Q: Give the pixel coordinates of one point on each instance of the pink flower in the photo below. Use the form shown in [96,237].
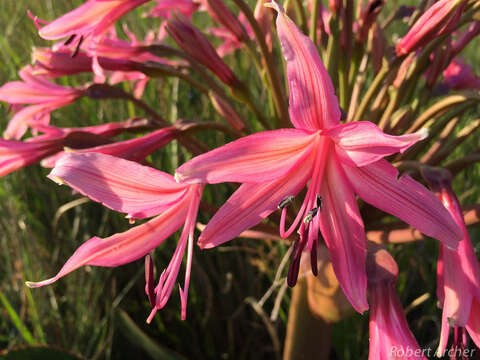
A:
[164,8]
[459,76]
[458,271]
[134,149]
[222,14]
[18,154]
[336,161]
[141,192]
[232,42]
[93,18]
[43,94]
[55,63]
[195,44]
[439,19]
[390,337]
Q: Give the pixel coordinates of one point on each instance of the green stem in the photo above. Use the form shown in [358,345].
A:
[273,77]
[372,90]
[314,21]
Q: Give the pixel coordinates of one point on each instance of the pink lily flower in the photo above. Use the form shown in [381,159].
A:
[55,63]
[134,149]
[336,161]
[458,271]
[106,48]
[18,154]
[459,76]
[91,19]
[390,337]
[194,43]
[232,43]
[164,8]
[222,15]
[43,94]
[439,19]
[141,192]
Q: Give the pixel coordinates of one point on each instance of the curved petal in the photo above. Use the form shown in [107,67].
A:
[257,158]
[250,204]
[473,324]
[87,17]
[121,185]
[313,104]
[342,228]
[379,185]
[124,247]
[361,143]
[30,115]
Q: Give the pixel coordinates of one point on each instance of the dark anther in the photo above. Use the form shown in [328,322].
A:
[310,215]
[69,40]
[77,49]
[285,202]
[313,258]
[319,202]
[343,115]
[295,258]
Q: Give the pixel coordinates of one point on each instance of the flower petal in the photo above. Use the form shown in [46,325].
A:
[313,104]
[379,185]
[124,247]
[473,324]
[342,228]
[260,157]
[119,184]
[250,204]
[362,143]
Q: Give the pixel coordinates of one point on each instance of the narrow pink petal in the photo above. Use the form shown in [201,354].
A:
[124,247]
[390,337]
[136,149]
[252,203]
[19,123]
[457,290]
[16,154]
[260,157]
[88,16]
[342,228]
[362,143]
[473,324]
[379,185]
[121,185]
[18,92]
[313,104]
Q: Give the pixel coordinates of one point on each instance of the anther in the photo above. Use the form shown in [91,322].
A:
[319,202]
[310,215]
[286,201]
[77,49]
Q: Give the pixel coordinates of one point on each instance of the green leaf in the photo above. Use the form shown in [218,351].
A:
[38,352]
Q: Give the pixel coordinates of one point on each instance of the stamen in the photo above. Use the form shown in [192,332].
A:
[286,202]
[69,40]
[77,49]
[310,215]
[319,202]
[149,281]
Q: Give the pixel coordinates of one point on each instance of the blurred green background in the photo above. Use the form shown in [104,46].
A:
[99,313]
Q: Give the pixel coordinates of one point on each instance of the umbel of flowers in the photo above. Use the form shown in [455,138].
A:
[357,108]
